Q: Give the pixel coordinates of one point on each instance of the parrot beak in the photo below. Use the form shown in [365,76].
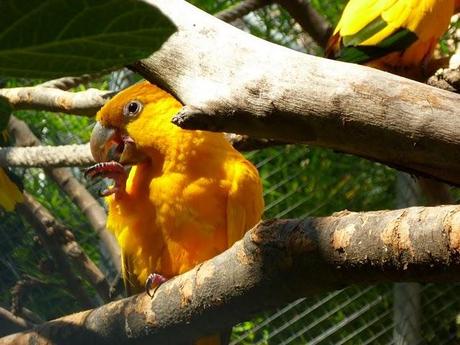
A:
[109,144]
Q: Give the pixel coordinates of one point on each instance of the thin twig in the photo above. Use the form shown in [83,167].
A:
[10,323]
[66,83]
[241,9]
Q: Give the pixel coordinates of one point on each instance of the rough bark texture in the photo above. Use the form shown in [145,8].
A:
[295,97]
[276,262]
[46,156]
[48,98]
[74,189]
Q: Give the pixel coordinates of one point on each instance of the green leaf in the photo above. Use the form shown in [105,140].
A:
[53,38]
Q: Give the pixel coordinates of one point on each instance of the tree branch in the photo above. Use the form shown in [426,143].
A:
[46,156]
[10,323]
[47,98]
[64,245]
[241,9]
[295,97]
[77,192]
[309,19]
[66,83]
[57,243]
[276,262]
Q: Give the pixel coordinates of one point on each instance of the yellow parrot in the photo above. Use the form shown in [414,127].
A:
[397,36]
[188,197]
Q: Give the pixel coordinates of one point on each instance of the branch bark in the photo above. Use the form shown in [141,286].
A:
[309,19]
[77,192]
[10,323]
[48,98]
[46,156]
[295,97]
[276,262]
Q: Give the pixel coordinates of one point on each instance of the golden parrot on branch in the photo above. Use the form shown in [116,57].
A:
[188,197]
[397,36]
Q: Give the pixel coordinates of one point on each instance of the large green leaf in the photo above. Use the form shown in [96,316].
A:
[52,38]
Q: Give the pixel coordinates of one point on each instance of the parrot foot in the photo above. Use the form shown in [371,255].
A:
[112,170]
[153,281]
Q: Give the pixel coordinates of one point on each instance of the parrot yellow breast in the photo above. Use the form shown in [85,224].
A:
[191,200]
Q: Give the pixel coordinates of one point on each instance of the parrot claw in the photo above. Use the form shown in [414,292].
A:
[112,170]
[153,281]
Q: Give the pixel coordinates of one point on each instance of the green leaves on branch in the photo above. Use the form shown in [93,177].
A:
[53,38]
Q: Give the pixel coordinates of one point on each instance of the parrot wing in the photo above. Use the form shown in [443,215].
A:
[371,29]
[245,203]
[10,184]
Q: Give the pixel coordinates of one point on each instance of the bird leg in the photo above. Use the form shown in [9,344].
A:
[112,170]
[153,281]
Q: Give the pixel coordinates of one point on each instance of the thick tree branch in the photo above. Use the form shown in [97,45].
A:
[276,262]
[77,192]
[309,19]
[295,97]
[47,98]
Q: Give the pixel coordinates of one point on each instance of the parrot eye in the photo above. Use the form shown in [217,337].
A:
[132,109]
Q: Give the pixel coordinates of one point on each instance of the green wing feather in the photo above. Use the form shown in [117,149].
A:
[351,51]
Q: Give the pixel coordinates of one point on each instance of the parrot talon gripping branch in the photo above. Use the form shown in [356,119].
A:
[153,281]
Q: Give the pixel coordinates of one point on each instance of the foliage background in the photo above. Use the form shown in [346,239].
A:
[299,181]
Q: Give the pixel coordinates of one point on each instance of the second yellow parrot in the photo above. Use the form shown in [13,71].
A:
[189,196]
[398,36]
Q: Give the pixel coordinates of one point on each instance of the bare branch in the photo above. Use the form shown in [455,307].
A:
[77,192]
[276,262]
[85,103]
[46,156]
[10,323]
[21,288]
[447,79]
[67,83]
[61,244]
[63,240]
[309,19]
[241,9]
[294,97]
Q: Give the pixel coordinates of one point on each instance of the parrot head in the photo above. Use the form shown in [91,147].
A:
[131,128]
